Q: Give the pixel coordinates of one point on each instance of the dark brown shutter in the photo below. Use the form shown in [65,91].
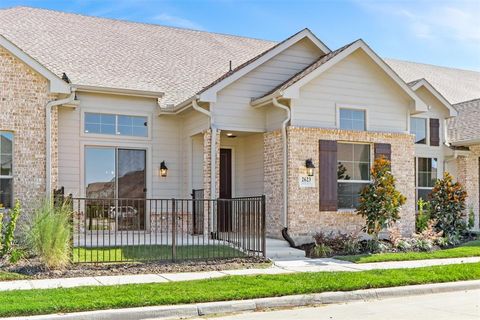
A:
[434,132]
[383,149]
[328,175]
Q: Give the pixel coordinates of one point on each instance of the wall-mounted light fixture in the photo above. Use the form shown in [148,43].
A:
[163,169]
[310,167]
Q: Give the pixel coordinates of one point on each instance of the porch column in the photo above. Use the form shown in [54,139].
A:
[207,178]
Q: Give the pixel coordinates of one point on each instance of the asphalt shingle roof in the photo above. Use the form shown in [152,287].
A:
[180,62]
[466,125]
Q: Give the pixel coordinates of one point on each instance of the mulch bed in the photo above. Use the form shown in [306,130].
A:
[34,269]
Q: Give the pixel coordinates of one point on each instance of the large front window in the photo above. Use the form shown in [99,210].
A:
[426,175]
[353,173]
[6,169]
[116,124]
[418,127]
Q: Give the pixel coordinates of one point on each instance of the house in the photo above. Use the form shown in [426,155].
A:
[97,106]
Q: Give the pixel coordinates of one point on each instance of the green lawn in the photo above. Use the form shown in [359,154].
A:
[468,249]
[7,276]
[153,252]
[23,303]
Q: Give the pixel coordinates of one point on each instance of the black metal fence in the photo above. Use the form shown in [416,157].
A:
[123,230]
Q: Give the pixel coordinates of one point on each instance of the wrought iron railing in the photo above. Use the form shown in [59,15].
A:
[123,230]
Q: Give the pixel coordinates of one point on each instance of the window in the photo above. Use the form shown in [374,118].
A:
[6,169]
[113,124]
[418,127]
[426,175]
[351,119]
[353,173]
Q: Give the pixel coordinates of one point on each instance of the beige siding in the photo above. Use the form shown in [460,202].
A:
[358,82]
[437,111]
[232,109]
[162,143]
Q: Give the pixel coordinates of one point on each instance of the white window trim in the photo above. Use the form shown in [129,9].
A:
[115,136]
[10,177]
[427,131]
[416,175]
[339,106]
[355,181]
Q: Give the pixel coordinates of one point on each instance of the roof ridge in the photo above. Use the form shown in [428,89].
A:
[137,22]
[431,65]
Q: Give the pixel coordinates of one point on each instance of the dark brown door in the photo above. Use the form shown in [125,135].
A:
[224,219]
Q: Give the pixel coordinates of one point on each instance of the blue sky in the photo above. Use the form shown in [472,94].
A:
[431,31]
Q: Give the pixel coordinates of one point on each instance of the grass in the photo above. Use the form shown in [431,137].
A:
[468,249]
[7,276]
[153,252]
[23,303]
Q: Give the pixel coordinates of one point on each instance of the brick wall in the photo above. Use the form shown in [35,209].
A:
[468,175]
[304,217]
[207,147]
[23,96]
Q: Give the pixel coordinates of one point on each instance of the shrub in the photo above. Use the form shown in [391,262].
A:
[403,245]
[10,227]
[49,234]
[321,251]
[448,206]
[394,235]
[340,243]
[380,202]
[423,215]
[422,244]
[471,218]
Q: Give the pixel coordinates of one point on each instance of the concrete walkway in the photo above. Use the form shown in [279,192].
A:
[279,267]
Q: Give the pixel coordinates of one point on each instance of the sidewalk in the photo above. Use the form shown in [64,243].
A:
[279,267]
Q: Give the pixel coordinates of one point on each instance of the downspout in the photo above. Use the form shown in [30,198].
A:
[48,138]
[285,159]
[213,154]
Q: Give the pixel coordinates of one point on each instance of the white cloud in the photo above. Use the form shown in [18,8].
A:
[177,21]
[449,20]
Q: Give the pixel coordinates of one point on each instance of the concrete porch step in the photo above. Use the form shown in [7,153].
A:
[280,249]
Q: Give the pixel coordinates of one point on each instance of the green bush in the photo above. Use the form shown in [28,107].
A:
[49,234]
[9,234]
[448,207]
[321,251]
[423,215]
[471,218]
[380,202]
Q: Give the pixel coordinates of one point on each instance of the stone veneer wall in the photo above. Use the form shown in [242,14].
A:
[304,217]
[23,96]
[468,175]
[273,182]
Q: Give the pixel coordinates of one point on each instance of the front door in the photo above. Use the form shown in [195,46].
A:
[224,218]
[117,178]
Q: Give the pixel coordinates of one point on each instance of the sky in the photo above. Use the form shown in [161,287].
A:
[441,32]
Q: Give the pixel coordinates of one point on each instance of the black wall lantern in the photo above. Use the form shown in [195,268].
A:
[310,167]
[163,169]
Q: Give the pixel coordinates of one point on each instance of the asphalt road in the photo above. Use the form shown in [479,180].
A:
[460,305]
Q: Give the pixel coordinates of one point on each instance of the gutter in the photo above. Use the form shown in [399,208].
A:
[48,138]
[213,154]
[285,159]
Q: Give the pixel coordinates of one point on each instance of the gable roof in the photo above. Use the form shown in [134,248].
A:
[456,85]
[290,88]
[417,84]
[463,130]
[56,84]
[100,52]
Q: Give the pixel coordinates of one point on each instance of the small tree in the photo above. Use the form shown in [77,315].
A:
[380,202]
[448,206]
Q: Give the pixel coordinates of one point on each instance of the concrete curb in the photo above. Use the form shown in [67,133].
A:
[209,308]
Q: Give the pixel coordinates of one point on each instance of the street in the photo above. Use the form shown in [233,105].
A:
[459,305]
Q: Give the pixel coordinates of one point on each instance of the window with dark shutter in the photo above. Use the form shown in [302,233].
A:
[328,175]
[434,132]
[383,149]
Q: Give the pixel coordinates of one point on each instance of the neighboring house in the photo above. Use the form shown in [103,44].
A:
[96,105]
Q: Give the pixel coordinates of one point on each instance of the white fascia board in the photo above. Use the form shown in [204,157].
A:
[210,95]
[119,91]
[436,94]
[57,85]
[294,90]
